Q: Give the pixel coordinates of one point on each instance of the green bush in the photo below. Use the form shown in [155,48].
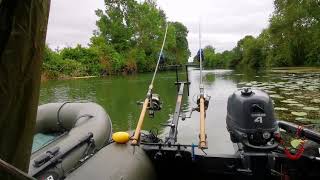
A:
[128,40]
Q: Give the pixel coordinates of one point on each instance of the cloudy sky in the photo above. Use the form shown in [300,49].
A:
[223,22]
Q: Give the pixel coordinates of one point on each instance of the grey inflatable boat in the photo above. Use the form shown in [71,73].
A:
[82,128]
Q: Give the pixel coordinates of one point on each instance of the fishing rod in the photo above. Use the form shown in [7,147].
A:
[202,101]
[148,101]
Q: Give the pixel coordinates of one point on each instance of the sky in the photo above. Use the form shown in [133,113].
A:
[223,22]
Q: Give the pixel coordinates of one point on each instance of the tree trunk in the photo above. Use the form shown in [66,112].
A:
[23,27]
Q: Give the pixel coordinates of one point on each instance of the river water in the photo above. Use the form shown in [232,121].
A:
[296,98]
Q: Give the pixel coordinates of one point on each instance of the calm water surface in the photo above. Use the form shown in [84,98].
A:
[296,98]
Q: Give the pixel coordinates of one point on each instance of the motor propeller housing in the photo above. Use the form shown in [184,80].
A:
[250,119]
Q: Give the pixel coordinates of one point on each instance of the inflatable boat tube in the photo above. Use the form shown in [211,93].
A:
[116,161]
[84,128]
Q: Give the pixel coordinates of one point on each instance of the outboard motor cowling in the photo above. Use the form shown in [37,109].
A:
[250,119]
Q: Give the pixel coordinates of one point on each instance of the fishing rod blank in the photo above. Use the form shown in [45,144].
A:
[200,61]
[148,99]
[202,136]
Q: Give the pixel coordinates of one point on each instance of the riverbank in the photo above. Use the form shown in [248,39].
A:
[45,76]
[295,70]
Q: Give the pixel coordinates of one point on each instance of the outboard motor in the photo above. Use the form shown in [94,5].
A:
[250,119]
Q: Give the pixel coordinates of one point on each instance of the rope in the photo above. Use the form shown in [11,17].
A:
[89,116]
[59,122]
[300,149]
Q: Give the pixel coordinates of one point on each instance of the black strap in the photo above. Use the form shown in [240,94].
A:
[59,122]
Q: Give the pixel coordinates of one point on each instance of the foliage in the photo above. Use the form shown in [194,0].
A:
[128,40]
[292,39]
[77,61]
[213,59]
[294,32]
[135,31]
[130,34]
[87,57]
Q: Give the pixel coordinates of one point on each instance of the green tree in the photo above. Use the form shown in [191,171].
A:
[87,57]
[182,51]
[251,50]
[294,30]
[128,40]
[135,31]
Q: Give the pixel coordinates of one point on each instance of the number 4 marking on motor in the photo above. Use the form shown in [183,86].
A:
[258,120]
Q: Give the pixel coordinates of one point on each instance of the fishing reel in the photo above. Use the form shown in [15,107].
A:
[154,104]
[206,103]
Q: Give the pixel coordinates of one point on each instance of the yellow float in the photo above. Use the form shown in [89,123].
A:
[121,137]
